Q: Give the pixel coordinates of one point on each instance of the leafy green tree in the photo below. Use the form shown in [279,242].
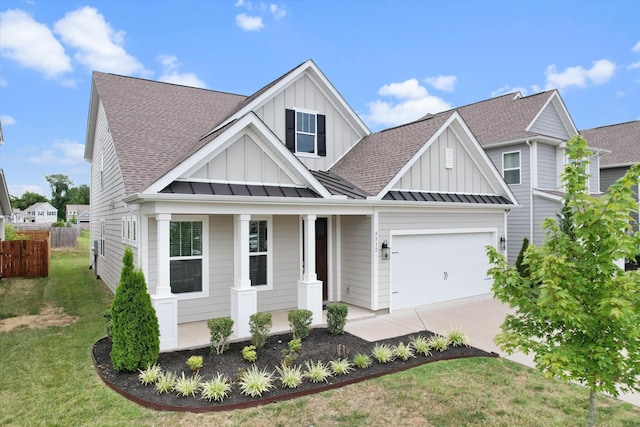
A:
[60,185]
[582,321]
[80,195]
[135,329]
[28,198]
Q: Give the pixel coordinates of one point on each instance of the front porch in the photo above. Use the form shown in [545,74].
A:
[196,334]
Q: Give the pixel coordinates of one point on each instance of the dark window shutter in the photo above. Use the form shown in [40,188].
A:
[290,124]
[322,138]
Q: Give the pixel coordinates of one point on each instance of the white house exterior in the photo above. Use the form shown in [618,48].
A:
[285,199]
[81,214]
[42,213]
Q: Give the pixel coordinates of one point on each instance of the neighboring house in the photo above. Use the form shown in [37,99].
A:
[42,212]
[284,199]
[622,141]
[525,138]
[17,216]
[81,214]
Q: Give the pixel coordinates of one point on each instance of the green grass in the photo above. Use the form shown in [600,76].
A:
[47,378]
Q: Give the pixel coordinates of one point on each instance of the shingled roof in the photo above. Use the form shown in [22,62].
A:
[154,124]
[622,140]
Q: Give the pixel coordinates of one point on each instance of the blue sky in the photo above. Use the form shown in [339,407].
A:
[393,61]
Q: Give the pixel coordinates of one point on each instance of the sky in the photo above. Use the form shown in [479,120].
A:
[392,61]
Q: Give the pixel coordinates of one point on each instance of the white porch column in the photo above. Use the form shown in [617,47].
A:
[244,299]
[310,288]
[164,302]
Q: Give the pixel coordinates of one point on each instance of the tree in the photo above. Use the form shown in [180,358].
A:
[80,195]
[60,185]
[136,333]
[28,198]
[582,319]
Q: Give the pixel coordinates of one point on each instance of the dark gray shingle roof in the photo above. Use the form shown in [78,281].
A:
[622,139]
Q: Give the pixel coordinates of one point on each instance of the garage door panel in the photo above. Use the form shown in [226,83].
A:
[429,268]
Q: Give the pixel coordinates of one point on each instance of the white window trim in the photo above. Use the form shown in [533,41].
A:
[269,253]
[519,168]
[315,136]
[205,256]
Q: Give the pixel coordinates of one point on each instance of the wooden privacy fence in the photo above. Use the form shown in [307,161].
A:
[25,258]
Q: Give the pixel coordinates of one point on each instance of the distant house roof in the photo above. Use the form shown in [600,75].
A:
[622,140]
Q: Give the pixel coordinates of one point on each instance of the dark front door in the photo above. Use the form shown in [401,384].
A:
[321,255]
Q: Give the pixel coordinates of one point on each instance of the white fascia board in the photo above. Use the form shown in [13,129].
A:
[540,138]
[94,102]
[252,125]
[312,68]
[548,196]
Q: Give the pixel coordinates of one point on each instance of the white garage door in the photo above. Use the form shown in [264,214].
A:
[430,268]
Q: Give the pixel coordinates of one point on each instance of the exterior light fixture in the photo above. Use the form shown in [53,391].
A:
[385,250]
[503,243]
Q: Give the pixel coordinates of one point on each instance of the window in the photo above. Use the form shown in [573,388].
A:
[185,252]
[305,133]
[259,253]
[511,167]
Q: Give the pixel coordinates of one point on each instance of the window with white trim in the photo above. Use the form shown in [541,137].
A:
[186,256]
[306,132]
[511,167]
[259,252]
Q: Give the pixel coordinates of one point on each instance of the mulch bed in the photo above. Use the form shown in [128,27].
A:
[320,345]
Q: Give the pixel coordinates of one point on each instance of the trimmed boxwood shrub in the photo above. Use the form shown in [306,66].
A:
[220,329]
[337,317]
[136,333]
[300,322]
[260,326]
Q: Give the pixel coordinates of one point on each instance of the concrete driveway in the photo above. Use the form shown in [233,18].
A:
[480,317]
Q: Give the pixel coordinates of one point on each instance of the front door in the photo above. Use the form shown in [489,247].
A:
[321,255]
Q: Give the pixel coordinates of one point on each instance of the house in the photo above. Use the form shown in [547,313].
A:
[284,199]
[80,214]
[622,141]
[42,212]
[17,216]
[525,138]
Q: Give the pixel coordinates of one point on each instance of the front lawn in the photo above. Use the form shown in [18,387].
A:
[47,378]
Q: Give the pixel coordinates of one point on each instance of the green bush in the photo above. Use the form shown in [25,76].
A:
[195,363]
[260,326]
[136,334]
[249,353]
[523,269]
[337,318]
[108,328]
[300,322]
[221,329]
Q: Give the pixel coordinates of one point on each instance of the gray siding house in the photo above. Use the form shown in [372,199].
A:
[284,199]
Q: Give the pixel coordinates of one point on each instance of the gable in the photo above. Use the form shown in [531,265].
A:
[445,166]
[549,123]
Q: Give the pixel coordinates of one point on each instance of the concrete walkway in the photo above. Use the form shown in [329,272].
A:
[480,317]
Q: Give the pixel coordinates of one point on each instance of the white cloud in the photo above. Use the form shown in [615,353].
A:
[600,72]
[249,23]
[98,46]
[170,73]
[508,89]
[636,48]
[32,44]
[277,11]
[3,82]
[19,190]
[413,102]
[7,120]
[444,83]
[634,65]
[64,153]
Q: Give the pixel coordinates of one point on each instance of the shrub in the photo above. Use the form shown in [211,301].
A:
[149,375]
[290,356]
[195,363]
[523,269]
[362,360]
[341,366]
[216,389]
[260,326]
[337,318]
[438,342]
[108,327]
[317,372]
[290,377]
[457,337]
[383,353]
[165,382]
[403,352]
[300,322]
[221,329]
[136,334]
[187,386]
[249,353]
[421,345]
[254,382]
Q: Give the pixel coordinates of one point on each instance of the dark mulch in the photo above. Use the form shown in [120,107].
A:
[320,345]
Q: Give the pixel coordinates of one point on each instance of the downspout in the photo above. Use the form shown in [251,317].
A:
[531,166]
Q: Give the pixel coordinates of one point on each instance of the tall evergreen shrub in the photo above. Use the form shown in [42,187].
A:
[136,334]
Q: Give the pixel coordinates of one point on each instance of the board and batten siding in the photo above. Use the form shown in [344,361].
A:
[106,204]
[547,163]
[243,161]
[304,94]
[549,123]
[518,220]
[356,247]
[429,173]
[428,220]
